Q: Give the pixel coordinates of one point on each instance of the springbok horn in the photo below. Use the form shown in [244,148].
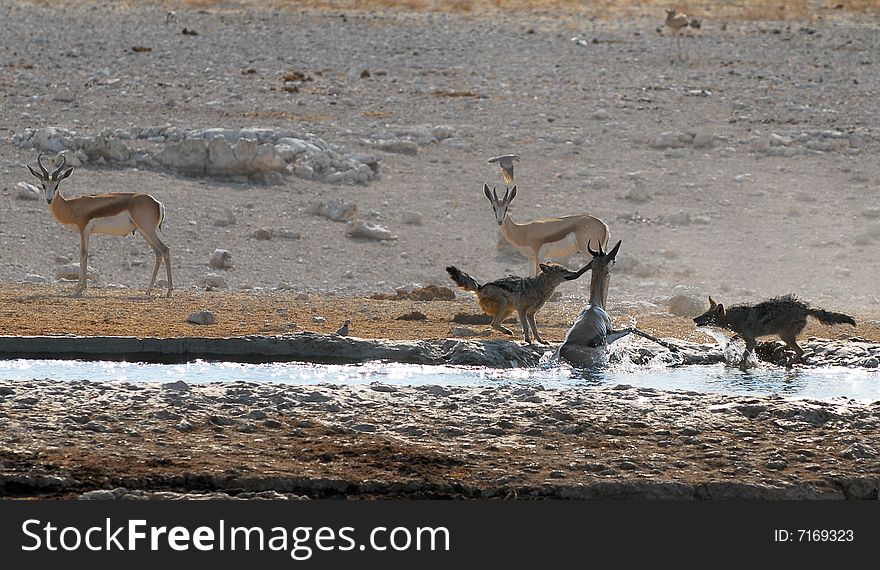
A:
[590,249]
[58,170]
[495,193]
[40,163]
[506,194]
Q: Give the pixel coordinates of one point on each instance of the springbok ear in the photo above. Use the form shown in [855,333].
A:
[512,193]
[485,190]
[711,302]
[613,253]
[34,172]
[66,173]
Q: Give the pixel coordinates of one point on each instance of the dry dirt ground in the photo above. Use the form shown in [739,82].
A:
[50,310]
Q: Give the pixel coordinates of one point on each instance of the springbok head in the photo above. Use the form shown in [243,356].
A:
[50,180]
[602,261]
[713,316]
[500,205]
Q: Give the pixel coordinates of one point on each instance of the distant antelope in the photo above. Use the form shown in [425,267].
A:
[586,340]
[677,22]
[116,214]
[562,236]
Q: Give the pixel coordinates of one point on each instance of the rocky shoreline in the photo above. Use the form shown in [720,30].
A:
[239,439]
[333,349]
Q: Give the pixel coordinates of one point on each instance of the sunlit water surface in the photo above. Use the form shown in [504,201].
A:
[818,382]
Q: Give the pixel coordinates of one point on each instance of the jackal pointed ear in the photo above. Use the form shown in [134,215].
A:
[719,310]
[485,190]
[711,302]
[544,267]
[512,193]
[34,172]
[66,173]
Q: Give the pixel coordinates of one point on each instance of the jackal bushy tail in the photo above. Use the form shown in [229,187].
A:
[462,279]
[831,318]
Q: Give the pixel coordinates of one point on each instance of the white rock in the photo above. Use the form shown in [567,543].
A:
[221,259]
[369,230]
[71,271]
[27,191]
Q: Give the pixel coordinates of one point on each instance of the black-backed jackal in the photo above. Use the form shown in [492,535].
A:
[522,295]
[784,316]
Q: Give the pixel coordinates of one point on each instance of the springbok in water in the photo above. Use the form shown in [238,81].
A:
[116,214]
[586,340]
[562,236]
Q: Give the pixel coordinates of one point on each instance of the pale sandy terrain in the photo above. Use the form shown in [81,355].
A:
[746,171]
[723,219]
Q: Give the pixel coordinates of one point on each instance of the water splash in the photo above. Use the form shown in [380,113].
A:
[732,350]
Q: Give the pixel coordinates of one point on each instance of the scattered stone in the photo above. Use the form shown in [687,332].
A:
[686,306]
[413,218]
[71,272]
[27,191]
[201,318]
[212,281]
[463,332]
[285,233]
[369,230]
[412,316]
[860,451]
[335,209]
[221,259]
[264,234]
[225,218]
[179,386]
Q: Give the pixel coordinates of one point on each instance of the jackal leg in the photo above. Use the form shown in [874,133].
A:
[751,343]
[534,325]
[524,321]
[499,316]
[791,342]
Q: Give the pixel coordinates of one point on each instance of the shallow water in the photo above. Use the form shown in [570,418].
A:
[819,383]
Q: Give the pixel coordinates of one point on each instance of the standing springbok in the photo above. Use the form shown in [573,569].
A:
[116,214]
[586,340]
[563,236]
[677,22]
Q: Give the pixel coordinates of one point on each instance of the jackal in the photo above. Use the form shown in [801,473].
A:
[525,295]
[784,316]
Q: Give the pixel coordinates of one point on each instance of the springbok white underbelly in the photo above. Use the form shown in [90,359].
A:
[118,225]
[563,248]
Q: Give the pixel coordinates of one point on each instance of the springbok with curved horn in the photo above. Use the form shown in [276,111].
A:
[586,340]
[561,237]
[116,214]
